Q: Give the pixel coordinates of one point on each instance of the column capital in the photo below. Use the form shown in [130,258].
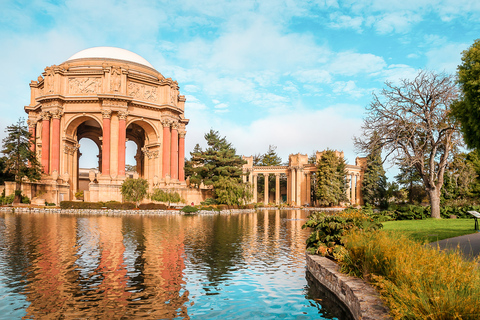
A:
[31,123]
[165,123]
[56,113]
[106,114]
[175,125]
[45,115]
[277,174]
[122,115]
[181,134]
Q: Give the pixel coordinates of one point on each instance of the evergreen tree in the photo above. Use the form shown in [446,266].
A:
[196,160]
[219,166]
[374,184]
[331,179]
[20,160]
[271,158]
[411,180]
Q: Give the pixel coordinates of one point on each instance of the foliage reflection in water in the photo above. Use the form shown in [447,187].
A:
[242,266]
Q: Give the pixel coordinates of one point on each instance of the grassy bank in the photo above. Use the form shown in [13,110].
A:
[431,230]
[416,281]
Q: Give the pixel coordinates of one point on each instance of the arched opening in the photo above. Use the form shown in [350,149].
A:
[131,151]
[85,133]
[136,137]
[88,159]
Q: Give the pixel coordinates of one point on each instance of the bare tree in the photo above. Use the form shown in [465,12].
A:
[412,123]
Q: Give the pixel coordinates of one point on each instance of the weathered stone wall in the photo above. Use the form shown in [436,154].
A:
[360,298]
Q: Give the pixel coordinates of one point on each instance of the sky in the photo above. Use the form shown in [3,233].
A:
[293,74]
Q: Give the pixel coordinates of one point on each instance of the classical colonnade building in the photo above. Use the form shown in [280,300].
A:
[108,95]
[111,96]
[298,175]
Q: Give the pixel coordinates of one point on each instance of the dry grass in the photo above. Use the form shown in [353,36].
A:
[416,281]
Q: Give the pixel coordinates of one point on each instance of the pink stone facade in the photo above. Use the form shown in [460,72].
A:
[110,101]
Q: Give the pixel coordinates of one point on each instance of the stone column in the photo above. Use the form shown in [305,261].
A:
[354,198]
[254,188]
[293,184]
[265,191]
[308,195]
[166,148]
[122,140]
[56,114]
[174,152]
[349,183]
[46,142]
[106,114]
[299,186]
[277,188]
[181,155]
[32,126]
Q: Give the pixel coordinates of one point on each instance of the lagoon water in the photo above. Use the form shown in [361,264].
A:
[235,266]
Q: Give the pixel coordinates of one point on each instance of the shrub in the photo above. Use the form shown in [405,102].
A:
[189,209]
[416,281]
[208,202]
[222,207]
[328,229]
[153,206]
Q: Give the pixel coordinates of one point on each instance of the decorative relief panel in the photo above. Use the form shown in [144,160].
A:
[84,85]
[142,91]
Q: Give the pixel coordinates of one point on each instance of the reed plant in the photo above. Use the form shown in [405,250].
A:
[416,281]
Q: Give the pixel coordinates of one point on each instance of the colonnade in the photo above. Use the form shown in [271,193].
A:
[173,150]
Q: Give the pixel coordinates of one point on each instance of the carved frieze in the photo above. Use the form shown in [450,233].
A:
[142,91]
[114,103]
[83,85]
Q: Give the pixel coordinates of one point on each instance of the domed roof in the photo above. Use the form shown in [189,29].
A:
[110,53]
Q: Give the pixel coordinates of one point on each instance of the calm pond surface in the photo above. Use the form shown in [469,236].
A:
[238,266]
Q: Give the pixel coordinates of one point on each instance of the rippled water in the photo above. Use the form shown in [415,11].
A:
[239,266]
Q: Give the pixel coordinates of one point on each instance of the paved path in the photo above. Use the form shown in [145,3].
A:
[468,244]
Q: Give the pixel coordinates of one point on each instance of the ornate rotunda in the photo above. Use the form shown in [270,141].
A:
[109,95]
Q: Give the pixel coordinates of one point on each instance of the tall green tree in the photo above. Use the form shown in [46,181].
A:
[134,190]
[331,179]
[20,160]
[467,109]
[374,185]
[219,166]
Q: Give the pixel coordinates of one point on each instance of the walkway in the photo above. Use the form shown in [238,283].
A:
[468,244]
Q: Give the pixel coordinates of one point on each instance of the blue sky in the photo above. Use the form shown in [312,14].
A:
[295,74]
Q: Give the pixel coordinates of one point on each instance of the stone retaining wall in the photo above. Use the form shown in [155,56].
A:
[360,298]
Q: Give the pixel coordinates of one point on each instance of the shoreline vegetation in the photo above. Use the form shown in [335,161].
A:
[414,280]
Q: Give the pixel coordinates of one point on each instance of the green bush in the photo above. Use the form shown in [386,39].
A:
[189,209]
[222,207]
[208,202]
[328,229]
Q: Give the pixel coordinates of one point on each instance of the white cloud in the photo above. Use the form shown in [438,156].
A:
[313,76]
[347,87]
[338,21]
[221,106]
[446,58]
[300,131]
[351,63]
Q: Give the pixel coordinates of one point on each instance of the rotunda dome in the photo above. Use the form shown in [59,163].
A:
[110,53]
